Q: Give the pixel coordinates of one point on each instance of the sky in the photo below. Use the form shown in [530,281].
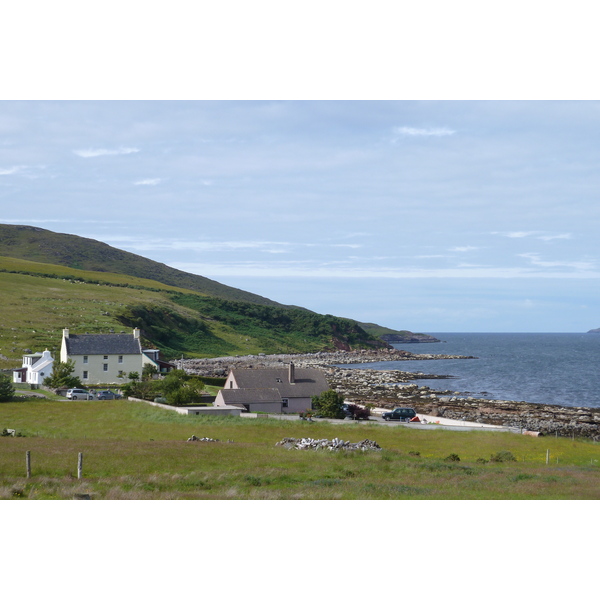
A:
[432,216]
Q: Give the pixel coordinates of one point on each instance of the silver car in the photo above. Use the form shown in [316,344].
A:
[79,394]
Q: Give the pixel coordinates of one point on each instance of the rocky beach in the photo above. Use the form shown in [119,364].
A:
[387,389]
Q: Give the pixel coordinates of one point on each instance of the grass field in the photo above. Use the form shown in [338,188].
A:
[135,451]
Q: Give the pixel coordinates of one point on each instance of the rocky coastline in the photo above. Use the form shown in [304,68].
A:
[387,389]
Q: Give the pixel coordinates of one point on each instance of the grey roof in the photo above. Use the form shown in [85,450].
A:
[112,343]
[251,396]
[308,382]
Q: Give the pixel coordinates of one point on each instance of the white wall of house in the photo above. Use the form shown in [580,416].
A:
[106,368]
[38,367]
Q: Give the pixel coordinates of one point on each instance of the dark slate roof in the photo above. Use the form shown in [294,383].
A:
[251,396]
[112,343]
[308,382]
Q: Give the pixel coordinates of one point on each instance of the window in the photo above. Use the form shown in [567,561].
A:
[105,357]
[85,360]
[120,359]
[85,375]
[285,402]
[121,374]
[105,367]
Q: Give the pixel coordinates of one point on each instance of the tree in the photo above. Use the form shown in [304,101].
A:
[149,370]
[329,404]
[7,390]
[133,375]
[62,376]
[180,388]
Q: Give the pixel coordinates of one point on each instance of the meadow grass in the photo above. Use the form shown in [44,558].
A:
[135,451]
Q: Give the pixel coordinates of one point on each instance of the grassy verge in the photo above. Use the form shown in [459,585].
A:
[134,451]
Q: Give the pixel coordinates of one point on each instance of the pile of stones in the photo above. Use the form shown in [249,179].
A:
[324,444]
[204,439]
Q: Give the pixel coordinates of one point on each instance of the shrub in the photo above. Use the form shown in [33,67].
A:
[452,458]
[358,412]
[329,404]
[7,389]
[503,456]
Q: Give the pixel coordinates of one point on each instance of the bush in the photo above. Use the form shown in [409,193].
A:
[7,389]
[180,388]
[358,412]
[503,456]
[452,458]
[329,405]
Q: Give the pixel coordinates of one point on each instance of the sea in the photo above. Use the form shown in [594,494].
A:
[547,368]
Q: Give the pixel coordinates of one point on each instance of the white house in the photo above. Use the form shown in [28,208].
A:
[108,358]
[36,367]
[285,390]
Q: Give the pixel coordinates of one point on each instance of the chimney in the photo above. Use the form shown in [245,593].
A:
[66,333]
[292,373]
[136,334]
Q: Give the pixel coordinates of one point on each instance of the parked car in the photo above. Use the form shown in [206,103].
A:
[79,394]
[400,414]
[107,395]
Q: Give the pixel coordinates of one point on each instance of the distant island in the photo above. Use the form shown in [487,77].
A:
[394,336]
[594,330]
[408,337]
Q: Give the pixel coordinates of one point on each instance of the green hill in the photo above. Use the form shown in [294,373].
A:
[43,246]
[92,287]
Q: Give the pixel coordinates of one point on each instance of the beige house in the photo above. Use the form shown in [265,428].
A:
[108,358]
[285,390]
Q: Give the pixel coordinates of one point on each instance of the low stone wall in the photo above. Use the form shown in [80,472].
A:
[193,410]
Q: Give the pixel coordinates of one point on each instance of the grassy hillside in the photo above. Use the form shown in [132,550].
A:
[43,246]
[38,300]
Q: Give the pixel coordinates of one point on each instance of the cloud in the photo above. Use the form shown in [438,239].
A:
[27,171]
[11,170]
[463,249]
[428,132]
[315,270]
[558,236]
[535,260]
[514,234]
[540,235]
[148,181]
[94,152]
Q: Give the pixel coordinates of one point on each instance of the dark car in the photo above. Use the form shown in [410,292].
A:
[400,414]
[107,395]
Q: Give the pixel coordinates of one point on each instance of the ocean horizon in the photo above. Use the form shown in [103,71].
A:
[546,368]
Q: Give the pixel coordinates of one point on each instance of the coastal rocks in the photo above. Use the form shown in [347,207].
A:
[324,444]
[219,367]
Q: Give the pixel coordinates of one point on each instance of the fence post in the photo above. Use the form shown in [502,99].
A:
[28,463]
[79,465]
[547,456]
